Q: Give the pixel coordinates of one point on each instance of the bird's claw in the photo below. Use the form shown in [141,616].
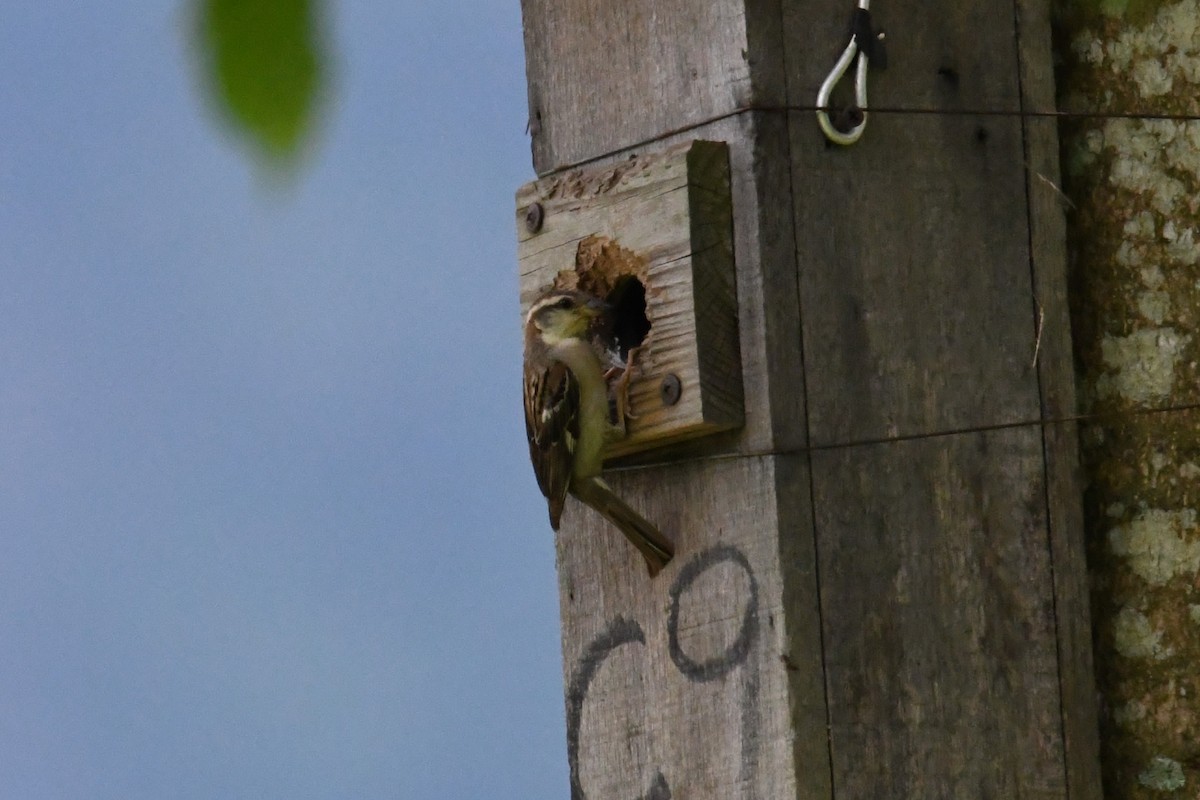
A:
[621,388]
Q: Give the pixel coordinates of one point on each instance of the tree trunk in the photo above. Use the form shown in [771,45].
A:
[1134,231]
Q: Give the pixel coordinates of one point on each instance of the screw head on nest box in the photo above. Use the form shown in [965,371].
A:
[671,390]
[535,215]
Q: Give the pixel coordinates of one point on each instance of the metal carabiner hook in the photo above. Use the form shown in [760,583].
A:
[865,44]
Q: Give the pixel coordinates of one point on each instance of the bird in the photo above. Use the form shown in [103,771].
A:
[567,417]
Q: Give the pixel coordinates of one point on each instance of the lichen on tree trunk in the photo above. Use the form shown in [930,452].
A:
[1134,229]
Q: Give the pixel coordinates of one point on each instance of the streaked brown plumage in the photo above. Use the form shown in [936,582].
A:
[567,418]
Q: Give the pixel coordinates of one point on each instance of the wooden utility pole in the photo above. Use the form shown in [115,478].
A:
[879,589]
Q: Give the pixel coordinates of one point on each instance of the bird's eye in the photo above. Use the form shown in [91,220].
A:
[566,302]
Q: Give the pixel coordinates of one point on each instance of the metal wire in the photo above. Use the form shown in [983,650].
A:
[898,110]
[1097,417]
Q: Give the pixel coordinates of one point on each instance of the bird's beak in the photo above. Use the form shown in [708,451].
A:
[596,307]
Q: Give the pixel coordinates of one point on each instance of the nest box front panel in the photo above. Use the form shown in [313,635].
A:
[653,236]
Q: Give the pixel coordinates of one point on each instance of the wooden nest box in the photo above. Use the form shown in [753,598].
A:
[653,236]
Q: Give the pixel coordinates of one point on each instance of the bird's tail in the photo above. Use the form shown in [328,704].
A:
[654,547]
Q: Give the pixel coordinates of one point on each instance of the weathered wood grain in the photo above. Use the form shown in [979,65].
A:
[916,297]
[630,71]
[926,305]
[665,219]
[1060,440]
[704,675]
[1077,677]
[938,610]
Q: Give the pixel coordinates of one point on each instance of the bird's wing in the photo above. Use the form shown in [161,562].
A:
[552,427]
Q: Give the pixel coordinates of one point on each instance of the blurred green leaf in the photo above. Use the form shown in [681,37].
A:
[264,66]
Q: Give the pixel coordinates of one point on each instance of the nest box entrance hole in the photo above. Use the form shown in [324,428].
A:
[629,321]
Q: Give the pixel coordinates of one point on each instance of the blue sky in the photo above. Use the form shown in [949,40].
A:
[267,523]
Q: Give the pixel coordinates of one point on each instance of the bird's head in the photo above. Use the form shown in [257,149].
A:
[560,315]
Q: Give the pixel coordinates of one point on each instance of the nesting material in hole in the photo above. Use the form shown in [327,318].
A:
[623,333]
